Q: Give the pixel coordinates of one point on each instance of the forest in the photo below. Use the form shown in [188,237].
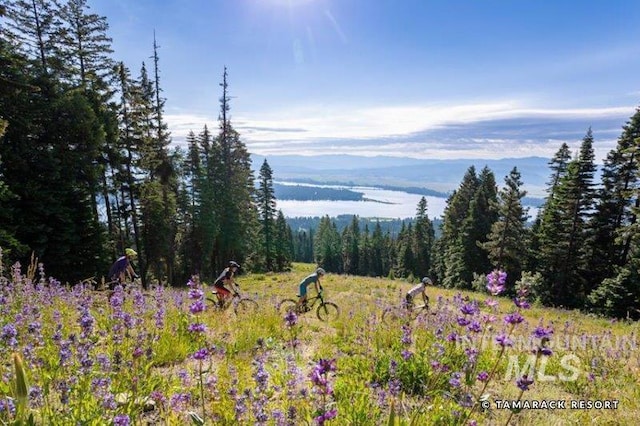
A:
[87,168]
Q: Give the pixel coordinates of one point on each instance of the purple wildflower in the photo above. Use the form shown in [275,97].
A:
[483,376]
[201,354]
[469,308]
[455,380]
[524,382]
[541,332]
[503,340]
[513,318]
[406,355]
[197,328]
[328,415]
[521,303]
[496,282]
[291,318]
[475,327]
[197,307]
[121,420]
[196,294]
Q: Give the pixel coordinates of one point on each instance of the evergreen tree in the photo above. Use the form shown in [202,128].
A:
[327,246]
[423,239]
[266,202]
[283,243]
[507,242]
[350,247]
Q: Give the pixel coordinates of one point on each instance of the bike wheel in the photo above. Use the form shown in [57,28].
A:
[245,306]
[287,305]
[328,311]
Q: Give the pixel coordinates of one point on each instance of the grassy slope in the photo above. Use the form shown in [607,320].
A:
[609,352]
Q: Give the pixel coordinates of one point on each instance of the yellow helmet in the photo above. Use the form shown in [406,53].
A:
[130,252]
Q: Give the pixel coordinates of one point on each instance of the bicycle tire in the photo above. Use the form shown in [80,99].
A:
[327,311]
[287,305]
[245,306]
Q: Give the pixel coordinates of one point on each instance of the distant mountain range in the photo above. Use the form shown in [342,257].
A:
[434,177]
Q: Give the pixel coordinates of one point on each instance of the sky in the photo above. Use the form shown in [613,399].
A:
[411,78]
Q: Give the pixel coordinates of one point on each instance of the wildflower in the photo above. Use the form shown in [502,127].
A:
[197,307]
[201,354]
[406,355]
[541,332]
[524,382]
[483,376]
[496,282]
[406,335]
[503,340]
[492,303]
[475,327]
[9,334]
[469,308]
[455,380]
[328,415]
[121,420]
[291,318]
[196,294]
[197,328]
[513,318]
[463,321]
[521,303]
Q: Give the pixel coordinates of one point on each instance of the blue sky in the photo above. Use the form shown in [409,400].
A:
[415,78]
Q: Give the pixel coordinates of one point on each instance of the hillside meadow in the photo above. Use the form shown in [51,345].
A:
[166,356]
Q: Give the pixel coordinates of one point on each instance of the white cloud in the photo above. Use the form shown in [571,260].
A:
[400,130]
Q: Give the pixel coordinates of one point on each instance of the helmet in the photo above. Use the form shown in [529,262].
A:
[129,252]
[320,271]
[233,263]
[426,280]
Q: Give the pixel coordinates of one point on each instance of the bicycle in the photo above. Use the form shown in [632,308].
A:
[241,305]
[325,311]
[405,312]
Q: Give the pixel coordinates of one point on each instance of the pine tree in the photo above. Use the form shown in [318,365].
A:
[283,243]
[266,202]
[423,239]
[507,242]
[327,246]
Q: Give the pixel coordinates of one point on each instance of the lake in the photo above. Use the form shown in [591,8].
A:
[381,203]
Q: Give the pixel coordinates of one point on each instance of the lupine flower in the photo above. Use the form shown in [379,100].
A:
[483,376]
[503,340]
[291,318]
[406,335]
[496,282]
[513,318]
[469,308]
[541,332]
[328,415]
[121,420]
[524,382]
[9,334]
[201,354]
[474,327]
[463,321]
[196,294]
[521,303]
[455,380]
[492,303]
[197,307]
[406,355]
[197,328]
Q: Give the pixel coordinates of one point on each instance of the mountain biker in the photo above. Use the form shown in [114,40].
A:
[226,278]
[420,288]
[122,268]
[313,278]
